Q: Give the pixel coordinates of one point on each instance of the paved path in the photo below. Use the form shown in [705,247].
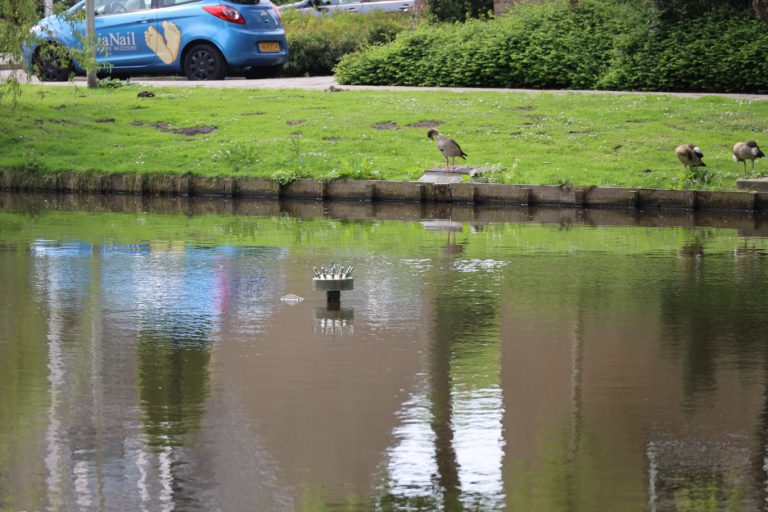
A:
[320,83]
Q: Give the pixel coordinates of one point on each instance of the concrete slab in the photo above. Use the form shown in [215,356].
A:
[257,187]
[448,175]
[350,189]
[308,189]
[440,178]
[753,184]
[212,186]
[399,191]
[712,200]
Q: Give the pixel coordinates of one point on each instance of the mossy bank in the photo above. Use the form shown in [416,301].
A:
[375,190]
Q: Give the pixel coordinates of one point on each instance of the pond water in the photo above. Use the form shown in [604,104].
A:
[521,360]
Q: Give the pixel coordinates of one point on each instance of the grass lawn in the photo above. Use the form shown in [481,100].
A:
[574,139]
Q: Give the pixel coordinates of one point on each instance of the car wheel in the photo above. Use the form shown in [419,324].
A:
[205,62]
[51,65]
[265,71]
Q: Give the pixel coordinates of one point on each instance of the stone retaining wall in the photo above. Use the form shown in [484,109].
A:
[402,191]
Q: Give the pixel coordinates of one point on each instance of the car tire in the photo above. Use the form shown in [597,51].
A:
[52,66]
[205,62]
[265,71]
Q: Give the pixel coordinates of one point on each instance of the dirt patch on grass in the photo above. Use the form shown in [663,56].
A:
[526,108]
[252,114]
[635,121]
[535,116]
[580,131]
[332,139]
[425,124]
[387,125]
[189,131]
[106,120]
[296,122]
[195,130]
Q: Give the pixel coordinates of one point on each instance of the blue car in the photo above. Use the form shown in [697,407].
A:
[204,39]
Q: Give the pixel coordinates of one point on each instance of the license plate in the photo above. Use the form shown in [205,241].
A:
[270,47]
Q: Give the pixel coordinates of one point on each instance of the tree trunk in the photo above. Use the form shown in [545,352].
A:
[420,8]
[761,9]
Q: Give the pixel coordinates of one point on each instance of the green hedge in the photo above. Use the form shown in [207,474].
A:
[317,43]
[595,45]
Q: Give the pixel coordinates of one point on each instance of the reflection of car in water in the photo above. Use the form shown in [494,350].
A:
[204,39]
[328,6]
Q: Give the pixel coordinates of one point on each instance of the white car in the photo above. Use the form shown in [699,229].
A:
[328,6]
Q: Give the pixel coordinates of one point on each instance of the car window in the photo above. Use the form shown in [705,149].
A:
[328,2]
[173,3]
[104,7]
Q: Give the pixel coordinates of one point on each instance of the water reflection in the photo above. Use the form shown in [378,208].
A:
[334,321]
[149,309]
[153,366]
[448,453]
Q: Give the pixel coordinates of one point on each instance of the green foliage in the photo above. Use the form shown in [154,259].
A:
[696,177]
[112,83]
[317,43]
[722,51]
[494,174]
[16,17]
[241,157]
[357,168]
[593,45]
[687,9]
[543,45]
[285,177]
[459,10]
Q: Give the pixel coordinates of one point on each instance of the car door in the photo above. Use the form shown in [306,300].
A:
[177,22]
[122,27]
[327,6]
[350,6]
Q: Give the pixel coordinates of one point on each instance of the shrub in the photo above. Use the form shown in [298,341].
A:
[459,10]
[317,43]
[596,44]
[720,51]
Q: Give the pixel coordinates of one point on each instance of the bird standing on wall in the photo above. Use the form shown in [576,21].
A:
[447,147]
[690,156]
[743,151]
